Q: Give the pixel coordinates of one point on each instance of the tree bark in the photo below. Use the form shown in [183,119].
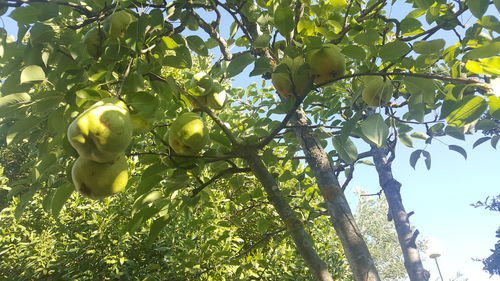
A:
[301,238]
[340,214]
[407,238]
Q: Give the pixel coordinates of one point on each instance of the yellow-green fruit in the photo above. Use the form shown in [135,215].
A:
[93,41]
[188,134]
[282,82]
[102,132]
[216,100]
[99,180]
[326,63]
[118,23]
[301,74]
[377,91]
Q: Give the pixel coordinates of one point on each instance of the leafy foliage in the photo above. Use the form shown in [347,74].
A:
[68,55]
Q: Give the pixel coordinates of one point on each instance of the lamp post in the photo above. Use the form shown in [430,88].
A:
[435,256]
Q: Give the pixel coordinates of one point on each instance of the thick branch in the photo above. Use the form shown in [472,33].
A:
[301,238]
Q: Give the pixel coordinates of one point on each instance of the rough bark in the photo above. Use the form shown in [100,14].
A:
[301,238]
[340,214]
[406,236]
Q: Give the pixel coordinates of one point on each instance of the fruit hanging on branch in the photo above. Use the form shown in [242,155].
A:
[377,91]
[188,134]
[102,132]
[292,77]
[99,180]
[93,41]
[207,91]
[117,24]
[326,63]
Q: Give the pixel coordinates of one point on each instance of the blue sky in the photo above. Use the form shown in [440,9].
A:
[440,197]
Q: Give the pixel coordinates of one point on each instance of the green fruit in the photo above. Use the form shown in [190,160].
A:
[216,100]
[291,77]
[99,180]
[93,41]
[188,134]
[377,91]
[117,24]
[102,132]
[326,63]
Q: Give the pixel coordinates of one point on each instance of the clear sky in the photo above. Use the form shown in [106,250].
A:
[440,197]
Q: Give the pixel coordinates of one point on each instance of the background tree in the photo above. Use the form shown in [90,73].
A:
[492,263]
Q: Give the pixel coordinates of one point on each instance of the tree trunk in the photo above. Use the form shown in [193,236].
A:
[340,214]
[407,238]
[301,238]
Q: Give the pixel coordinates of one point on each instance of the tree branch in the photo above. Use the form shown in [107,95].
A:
[221,174]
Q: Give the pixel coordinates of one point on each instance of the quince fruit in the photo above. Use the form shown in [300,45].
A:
[99,180]
[102,132]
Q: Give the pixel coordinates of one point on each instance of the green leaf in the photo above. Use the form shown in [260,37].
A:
[233,28]
[197,44]
[410,24]
[497,4]
[170,42]
[262,66]
[429,47]
[406,140]
[145,199]
[458,149]
[477,7]
[375,130]
[427,157]
[346,150]
[13,100]
[455,132]
[487,66]
[238,64]
[394,50]
[486,51]
[415,155]
[283,19]
[494,141]
[493,104]
[262,41]
[468,109]
[480,141]
[156,227]
[32,73]
[182,58]
[355,52]
[61,195]
[263,225]
[21,129]
[486,124]
[25,15]
[419,135]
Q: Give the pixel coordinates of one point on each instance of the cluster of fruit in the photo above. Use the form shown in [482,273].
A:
[100,135]
[206,90]
[298,75]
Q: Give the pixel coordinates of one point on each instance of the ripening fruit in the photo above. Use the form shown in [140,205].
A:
[102,132]
[282,82]
[117,24]
[326,63]
[99,180]
[291,77]
[93,41]
[376,91]
[188,134]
